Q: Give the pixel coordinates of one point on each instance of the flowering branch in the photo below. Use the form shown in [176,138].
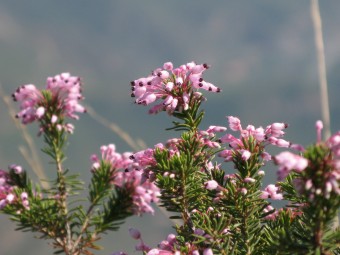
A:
[221,203]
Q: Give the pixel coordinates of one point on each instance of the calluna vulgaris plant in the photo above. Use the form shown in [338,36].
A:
[223,207]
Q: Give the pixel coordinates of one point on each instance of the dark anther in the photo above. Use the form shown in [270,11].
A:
[200,84]
[141,84]
[205,65]
[132,83]
[218,90]
[210,88]
[132,95]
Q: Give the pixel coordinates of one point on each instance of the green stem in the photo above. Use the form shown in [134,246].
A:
[85,225]
[57,153]
[184,202]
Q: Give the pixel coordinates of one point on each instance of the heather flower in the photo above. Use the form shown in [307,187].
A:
[126,175]
[170,246]
[6,189]
[266,156]
[146,158]
[279,142]
[287,162]
[110,155]
[10,198]
[319,127]
[333,143]
[261,173]
[260,134]
[176,88]
[234,123]
[159,252]
[134,233]
[272,213]
[276,129]
[58,100]
[211,185]
[16,168]
[271,191]
[249,179]
[244,191]
[226,154]
[208,251]
[245,154]
[251,140]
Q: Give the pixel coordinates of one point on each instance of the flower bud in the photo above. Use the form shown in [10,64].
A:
[134,233]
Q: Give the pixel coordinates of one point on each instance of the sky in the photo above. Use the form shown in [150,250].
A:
[262,55]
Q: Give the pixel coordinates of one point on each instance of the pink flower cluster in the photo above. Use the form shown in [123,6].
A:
[334,144]
[208,136]
[288,162]
[6,189]
[272,191]
[270,135]
[127,175]
[314,182]
[176,87]
[333,177]
[60,99]
[143,192]
[7,186]
[110,155]
[165,247]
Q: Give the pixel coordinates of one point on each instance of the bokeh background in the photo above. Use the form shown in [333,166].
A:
[262,55]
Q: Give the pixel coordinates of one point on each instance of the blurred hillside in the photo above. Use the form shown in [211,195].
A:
[262,55]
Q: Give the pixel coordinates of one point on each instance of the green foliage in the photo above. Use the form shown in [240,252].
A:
[191,117]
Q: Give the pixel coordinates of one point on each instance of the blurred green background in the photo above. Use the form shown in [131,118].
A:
[262,55]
